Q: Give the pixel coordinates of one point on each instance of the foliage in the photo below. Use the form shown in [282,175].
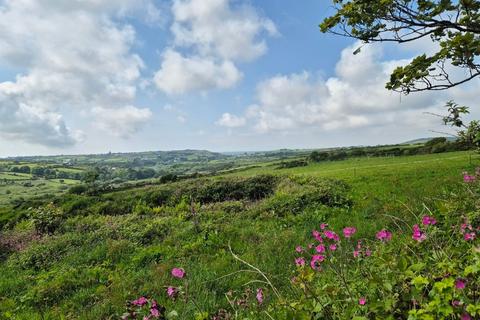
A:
[47,219]
[454,25]
[115,247]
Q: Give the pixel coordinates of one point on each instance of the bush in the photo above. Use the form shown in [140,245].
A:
[47,219]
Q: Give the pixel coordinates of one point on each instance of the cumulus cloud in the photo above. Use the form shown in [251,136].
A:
[215,27]
[355,97]
[121,122]
[231,121]
[180,74]
[217,35]
[75,56]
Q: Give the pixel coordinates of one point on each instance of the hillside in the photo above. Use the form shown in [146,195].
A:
[84,255]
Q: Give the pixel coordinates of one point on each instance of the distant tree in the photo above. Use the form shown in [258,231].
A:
[454,25]
[435,141]
[317,156]
[25,169]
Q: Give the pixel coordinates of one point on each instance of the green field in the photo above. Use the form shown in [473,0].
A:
[106,249]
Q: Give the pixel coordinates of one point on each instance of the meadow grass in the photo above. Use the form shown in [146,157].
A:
[95,262]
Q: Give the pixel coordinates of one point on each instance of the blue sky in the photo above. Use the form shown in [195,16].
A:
[95,76]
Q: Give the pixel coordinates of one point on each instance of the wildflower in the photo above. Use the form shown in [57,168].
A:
[459,284]
[456,303]
[300,262]
[171,292]
[331,235]
[468,178]
[155,313]
[384,235]
[260,295]
[146,318]
[178,273]
[418,235]
[356,253]
[428,220]
[333,247]
[362,301]
[469,236]
[317,235]
[320,248]
[316,259]
[368,253]
[299,249]
[140,301]
[359,245]
[466,316]
[349,231]
[323,226]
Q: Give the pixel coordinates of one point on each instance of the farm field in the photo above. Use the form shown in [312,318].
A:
[99,251]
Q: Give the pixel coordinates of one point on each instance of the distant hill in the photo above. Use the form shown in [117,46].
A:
[425,140]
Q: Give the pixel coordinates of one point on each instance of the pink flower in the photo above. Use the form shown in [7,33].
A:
[466,316]
[418,235]
[459,284]
[260,295]
[359,245]
[456,303]
[356,253]
[368,253]
[140,301]
[384,235]
[320,248]
[316,259]
[146,318]
[331,235]
[155,313]
[299,249]
[468,178]
[300,262]
[178,273]
[333,247]
[349,232]
[469,236]
[428,220]
[171,292]
[362,301]
[317,235]
[323,226]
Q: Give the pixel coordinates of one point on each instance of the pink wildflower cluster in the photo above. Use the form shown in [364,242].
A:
[361,251]
[429,220]
[418,235]
[384,235]
[178,273]
[326,240]
[468,232]
[148,308]
[468,178]
[348,232]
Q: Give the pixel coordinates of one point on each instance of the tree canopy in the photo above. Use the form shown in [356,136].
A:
[453,25]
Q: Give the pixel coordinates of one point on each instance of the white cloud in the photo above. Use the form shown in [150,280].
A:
[74,56]
[217,35]
[121,122]
[355,97]
[216,27]
[180,74]
[231,121]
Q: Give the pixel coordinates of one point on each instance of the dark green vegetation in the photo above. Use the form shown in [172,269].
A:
[83,255]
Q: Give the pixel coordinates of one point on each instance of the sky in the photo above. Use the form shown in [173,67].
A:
[97,76]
